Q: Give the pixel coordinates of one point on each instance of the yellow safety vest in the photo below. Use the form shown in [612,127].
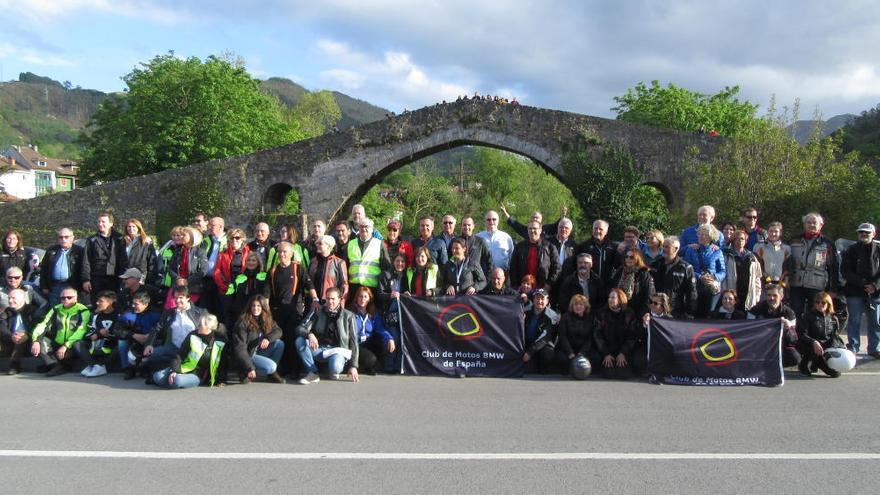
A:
[431,275]
[197,349]
[363,268]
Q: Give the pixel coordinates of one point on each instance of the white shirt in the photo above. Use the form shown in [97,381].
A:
[500,247]
[180,328]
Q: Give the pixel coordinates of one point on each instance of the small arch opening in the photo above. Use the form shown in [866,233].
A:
[281,198]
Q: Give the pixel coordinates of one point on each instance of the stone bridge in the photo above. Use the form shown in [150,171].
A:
[333,171]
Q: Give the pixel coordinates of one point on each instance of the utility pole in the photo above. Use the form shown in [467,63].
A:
[461,173]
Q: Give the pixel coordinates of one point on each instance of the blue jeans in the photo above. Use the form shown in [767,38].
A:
[266,360]
[335,363]
[181,380]
[856,305]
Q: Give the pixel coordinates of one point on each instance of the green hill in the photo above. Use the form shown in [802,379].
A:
[39,110]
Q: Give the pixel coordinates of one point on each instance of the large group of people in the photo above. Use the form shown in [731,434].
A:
[209,301]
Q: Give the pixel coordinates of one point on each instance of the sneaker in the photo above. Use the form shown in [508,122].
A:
[244,380]
[830,372]
[130,373]
[312,377]
[87,371]
[336,377]
[56,370]
[14,369]
[97,370]
[42,368]
[275,378]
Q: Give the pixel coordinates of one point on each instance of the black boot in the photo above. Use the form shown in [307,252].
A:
[827,369]
[804,367]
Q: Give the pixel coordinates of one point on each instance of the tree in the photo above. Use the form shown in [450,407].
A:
[785,180]
[674,107]
[863,135]
[178,112]
[608,185]
[314,114]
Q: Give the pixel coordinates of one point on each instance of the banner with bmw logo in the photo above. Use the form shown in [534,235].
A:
[462,335]
[703,352]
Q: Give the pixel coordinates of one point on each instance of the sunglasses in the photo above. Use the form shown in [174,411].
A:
[67,298]
[448,223]
[236,238]
[751,217]
[13,277]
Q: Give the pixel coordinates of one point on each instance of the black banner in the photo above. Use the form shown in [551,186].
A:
[744,352]
[462,336]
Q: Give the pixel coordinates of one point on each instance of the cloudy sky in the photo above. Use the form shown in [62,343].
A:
[571,55]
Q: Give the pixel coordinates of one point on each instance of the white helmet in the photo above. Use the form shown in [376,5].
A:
[839,359]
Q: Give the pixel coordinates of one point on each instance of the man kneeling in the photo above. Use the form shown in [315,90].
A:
[328,336]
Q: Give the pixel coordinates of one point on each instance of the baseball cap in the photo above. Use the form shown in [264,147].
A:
[132,273]
[540,292]
[866,227]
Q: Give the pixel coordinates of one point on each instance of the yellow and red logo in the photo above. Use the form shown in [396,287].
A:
[713,347]
[460,322]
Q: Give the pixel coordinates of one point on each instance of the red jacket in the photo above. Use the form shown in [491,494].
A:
[223,267]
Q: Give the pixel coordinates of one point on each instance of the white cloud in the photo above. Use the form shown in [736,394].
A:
[393,79]
[35,57]
[344,78]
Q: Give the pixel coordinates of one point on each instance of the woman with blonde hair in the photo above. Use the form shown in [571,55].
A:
[140,249]
[576,334]
[818,330]
[183,262]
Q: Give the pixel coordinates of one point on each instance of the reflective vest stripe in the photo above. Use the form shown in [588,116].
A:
[364,268]
[196,350]
[240,279]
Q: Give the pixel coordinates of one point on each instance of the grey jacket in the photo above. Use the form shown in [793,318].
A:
[347,331]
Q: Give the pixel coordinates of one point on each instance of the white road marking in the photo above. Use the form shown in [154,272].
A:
[407,456]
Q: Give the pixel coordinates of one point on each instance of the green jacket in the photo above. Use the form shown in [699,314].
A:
[64,326]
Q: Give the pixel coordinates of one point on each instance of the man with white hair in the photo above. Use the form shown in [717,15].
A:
[705,215]
[61,267]
[601,249]
[861,270]
[358,213]
[262,243]
[676,278]
[500,243]
[813,265]
[367,258]
[16,321]
[328,270]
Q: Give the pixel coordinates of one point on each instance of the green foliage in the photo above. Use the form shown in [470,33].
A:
[607,185]
[863,135]
[430,187]
[679,108]
[291,205]
[179,112]
[785,180]
[314,114]
[188,197]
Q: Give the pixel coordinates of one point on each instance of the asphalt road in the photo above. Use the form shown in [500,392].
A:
[56,426]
